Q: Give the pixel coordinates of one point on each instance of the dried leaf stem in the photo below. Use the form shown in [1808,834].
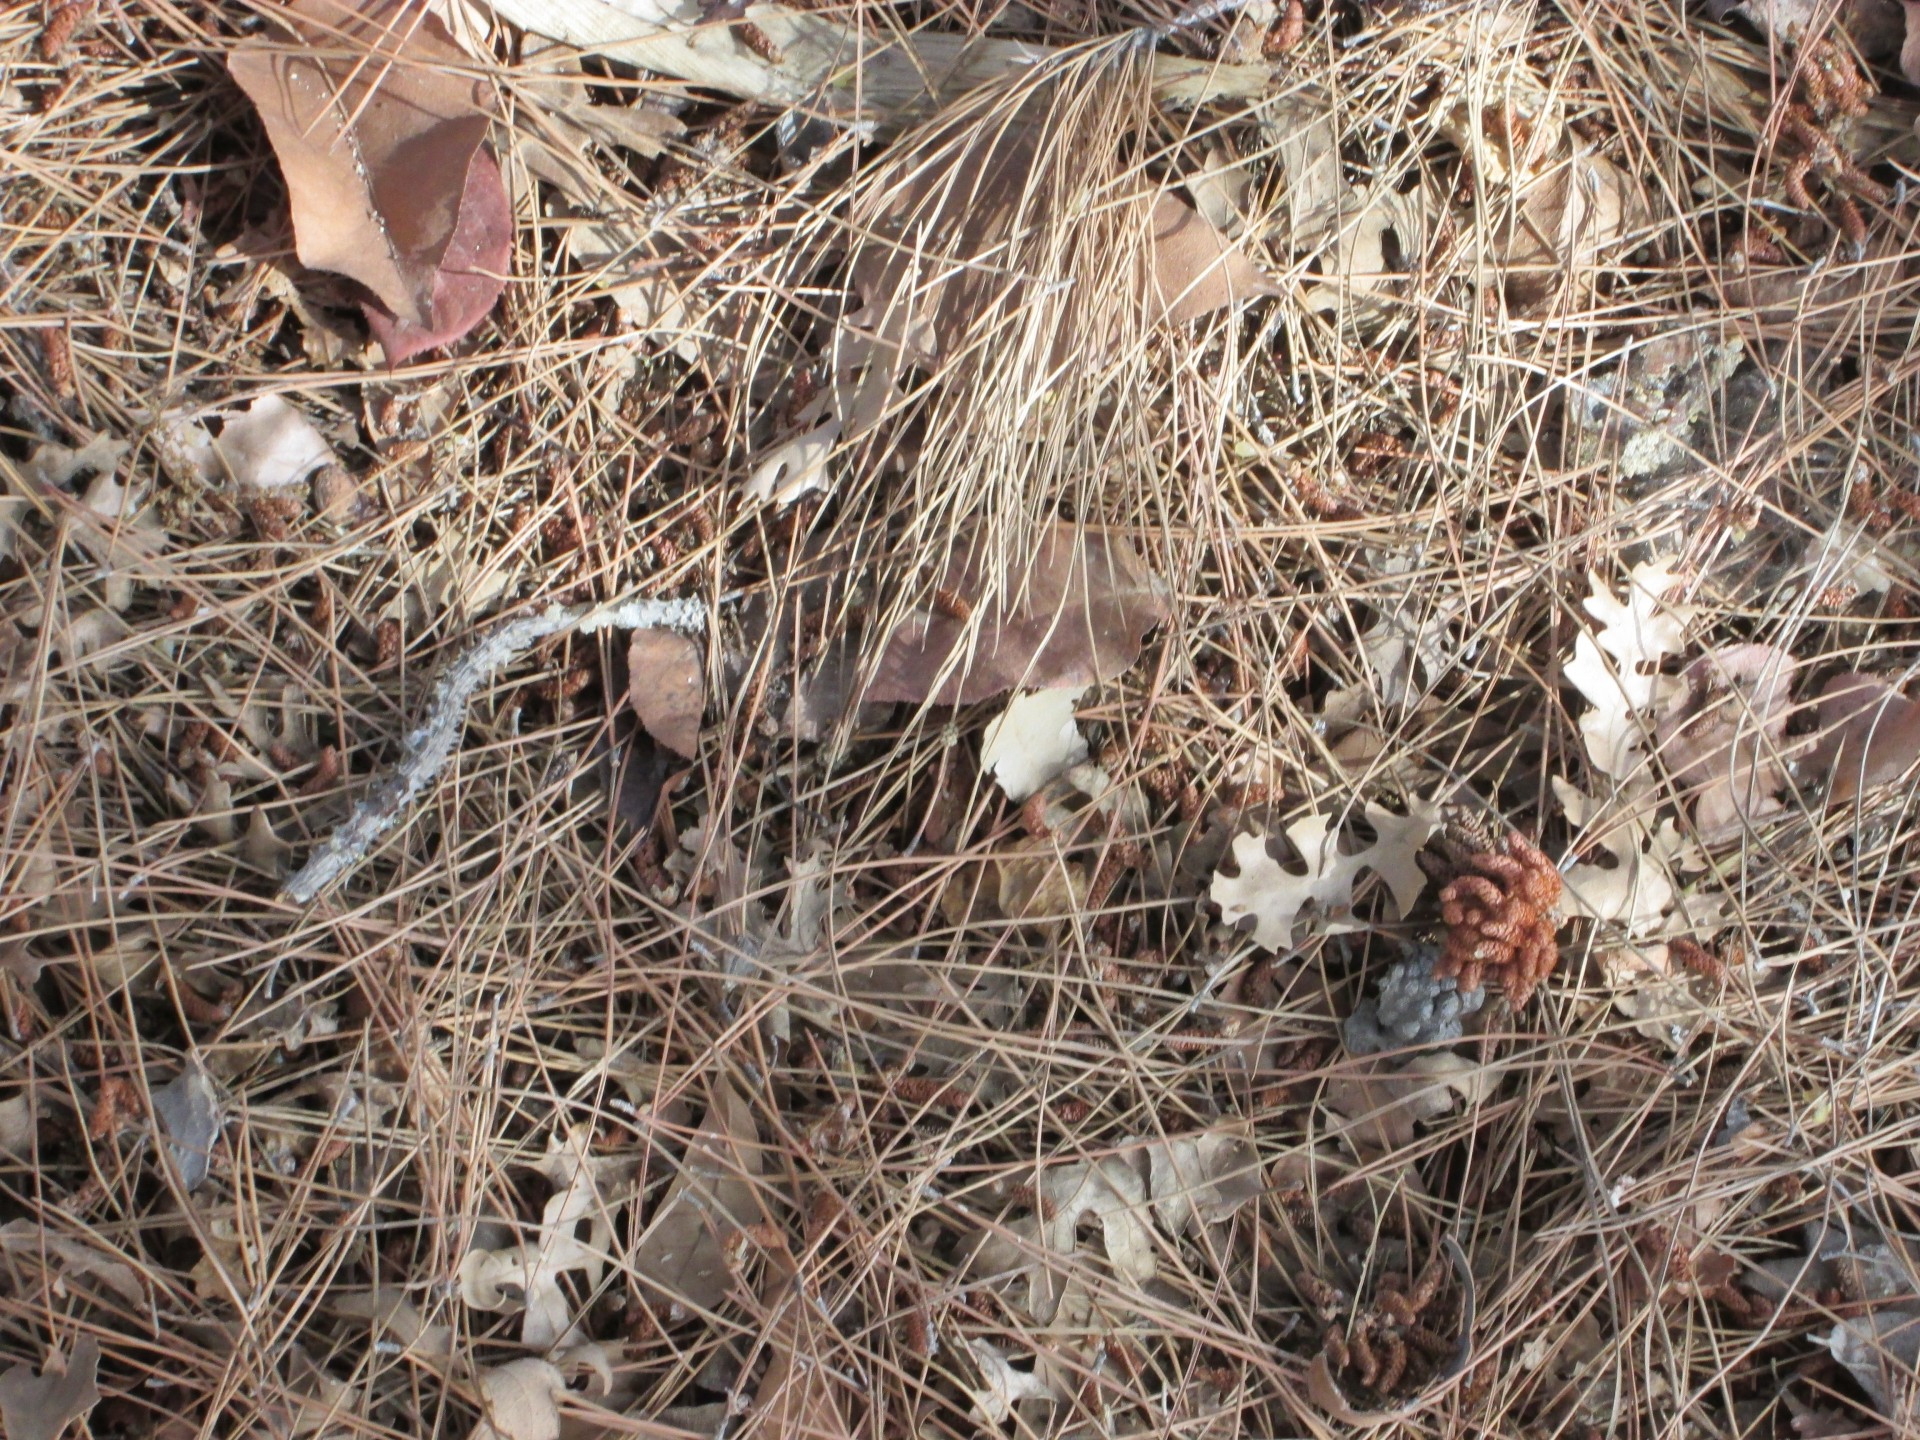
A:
[430,744]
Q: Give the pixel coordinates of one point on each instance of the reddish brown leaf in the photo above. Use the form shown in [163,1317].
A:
[666,684]
[1196,268]
[381,140]
[797,1398]
[1721,740]
[1076,615]
[958,241]
[1869,734]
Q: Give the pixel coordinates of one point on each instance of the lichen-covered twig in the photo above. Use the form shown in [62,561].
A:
[429,744]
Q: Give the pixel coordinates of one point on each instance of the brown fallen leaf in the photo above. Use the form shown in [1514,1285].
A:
[1721,739]
[797,1398]
[381,137]
[1381,1102]
[517,1400]
[1869,734]
[39,1407]
[946,259]
[69,1259]
[1077,615]
[681,1255]
[1560,224]
[665,680]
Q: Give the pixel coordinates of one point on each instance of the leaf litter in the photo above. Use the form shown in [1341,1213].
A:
[1390,427]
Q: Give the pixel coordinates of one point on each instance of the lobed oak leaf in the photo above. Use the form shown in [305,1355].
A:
[1637,890]
[39,1407]
[1276,897]
[1617,666]
[382,140]
[528,1276]
[1001,1386]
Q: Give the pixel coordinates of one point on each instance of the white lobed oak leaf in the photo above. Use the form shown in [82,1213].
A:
[528,1276]
[1275,896]
[1113,1191]
[1637,635]
[1637,890]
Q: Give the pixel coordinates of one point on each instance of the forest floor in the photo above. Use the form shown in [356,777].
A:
[1106,722]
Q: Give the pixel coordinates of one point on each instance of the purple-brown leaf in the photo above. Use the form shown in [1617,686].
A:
[381,138]
[1076,615]
[1869,734]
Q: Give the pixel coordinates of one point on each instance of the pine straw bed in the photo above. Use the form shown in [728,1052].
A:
[782,1062]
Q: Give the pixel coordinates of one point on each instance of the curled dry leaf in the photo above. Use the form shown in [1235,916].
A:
[1721,735]
[382,140]
[39,1407]
[27,1242]
[1033,740]
[1001,1386]
[529,1276]
[517,1401]
[666,682]
[1075,616]
[1275,897]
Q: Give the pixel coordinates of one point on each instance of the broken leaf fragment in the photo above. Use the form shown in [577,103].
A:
[969,231]
[1001,1386]
[1381,1102]
[1033,740]
[188,1109]
[1721,737]
[1561,223]
[681,1256]
[382,139]
[517,1401]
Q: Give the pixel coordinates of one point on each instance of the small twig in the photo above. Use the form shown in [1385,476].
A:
[430,744]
